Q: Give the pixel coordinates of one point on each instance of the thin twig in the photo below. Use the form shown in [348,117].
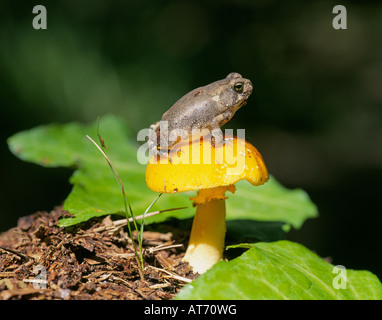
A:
[150,250]
[173,275]
[123,222]
[164,247]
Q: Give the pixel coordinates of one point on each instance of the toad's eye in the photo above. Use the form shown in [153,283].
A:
[238,87]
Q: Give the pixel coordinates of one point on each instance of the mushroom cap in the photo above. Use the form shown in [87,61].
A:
[196,164]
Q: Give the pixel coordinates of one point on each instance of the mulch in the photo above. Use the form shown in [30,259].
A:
[93,261]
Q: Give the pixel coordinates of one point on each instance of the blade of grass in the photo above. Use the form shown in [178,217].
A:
[140,240]
[143,222]
[126,202]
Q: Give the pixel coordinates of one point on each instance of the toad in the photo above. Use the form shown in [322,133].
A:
[208,107]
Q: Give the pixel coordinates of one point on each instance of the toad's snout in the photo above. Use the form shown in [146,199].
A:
[248,88]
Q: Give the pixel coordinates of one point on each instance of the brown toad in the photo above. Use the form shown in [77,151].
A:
[208,107]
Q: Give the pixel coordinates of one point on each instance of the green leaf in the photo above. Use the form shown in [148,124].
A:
[245,230]
[96,192]
[270,202]
[281,270]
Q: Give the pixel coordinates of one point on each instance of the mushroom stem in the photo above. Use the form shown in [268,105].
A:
[206,243]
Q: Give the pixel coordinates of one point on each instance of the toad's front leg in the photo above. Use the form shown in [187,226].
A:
[154,138]
[160,141]
[216,133]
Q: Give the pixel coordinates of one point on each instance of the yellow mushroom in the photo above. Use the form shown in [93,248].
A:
[212,170]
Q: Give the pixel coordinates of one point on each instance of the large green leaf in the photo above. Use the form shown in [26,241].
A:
[281,270]
[96,193]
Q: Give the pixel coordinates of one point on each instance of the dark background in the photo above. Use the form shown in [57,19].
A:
[315,113]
